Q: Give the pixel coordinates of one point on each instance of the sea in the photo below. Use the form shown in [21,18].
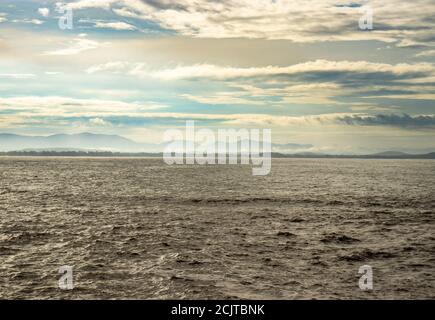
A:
[137,228]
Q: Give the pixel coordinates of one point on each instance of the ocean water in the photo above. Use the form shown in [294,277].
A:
[139,229]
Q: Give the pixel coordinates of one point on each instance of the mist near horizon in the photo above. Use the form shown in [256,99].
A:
[114,143]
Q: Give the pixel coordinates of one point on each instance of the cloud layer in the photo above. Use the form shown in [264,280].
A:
[299,21]
[314,82]
[106,112]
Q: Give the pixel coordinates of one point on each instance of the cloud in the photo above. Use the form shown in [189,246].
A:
[114,25]
[248,94]
[99,122]
[230,98]
[3,17]
[87,4]
[45,12]
[115,67]
[109,112]
[312,82]
[404,95]
[311,68]
[406,23]
[28,21]
[427,53]
[17,75]
[108,24]
[354,119]
[32,106]
[52,73]
[403,121]
[77,45]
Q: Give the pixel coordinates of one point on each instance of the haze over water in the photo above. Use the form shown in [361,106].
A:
[137,228]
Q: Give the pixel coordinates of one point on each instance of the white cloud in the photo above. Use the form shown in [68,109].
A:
[68,107]
[99,122]
[427,53]
[45,12]
[76,46]
[114,25]
[36,21]
[225,72]
[231,98]
[109,24]
[17,75]
[86,4]
[416,96]
[116,66]
[28,21]
[3,17]
[52,73]
[222,73]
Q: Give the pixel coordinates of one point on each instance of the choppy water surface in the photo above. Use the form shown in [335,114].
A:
[137,228]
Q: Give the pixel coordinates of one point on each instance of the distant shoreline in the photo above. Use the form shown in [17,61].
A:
[103,154]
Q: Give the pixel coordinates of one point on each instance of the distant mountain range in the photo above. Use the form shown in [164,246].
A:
[89,144]
[97,142]
[79,142]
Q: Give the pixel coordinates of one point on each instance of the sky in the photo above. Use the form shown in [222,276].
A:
[305,69]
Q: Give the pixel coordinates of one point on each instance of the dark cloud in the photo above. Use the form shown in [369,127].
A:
[395,120]
[349,5]
[164,5]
